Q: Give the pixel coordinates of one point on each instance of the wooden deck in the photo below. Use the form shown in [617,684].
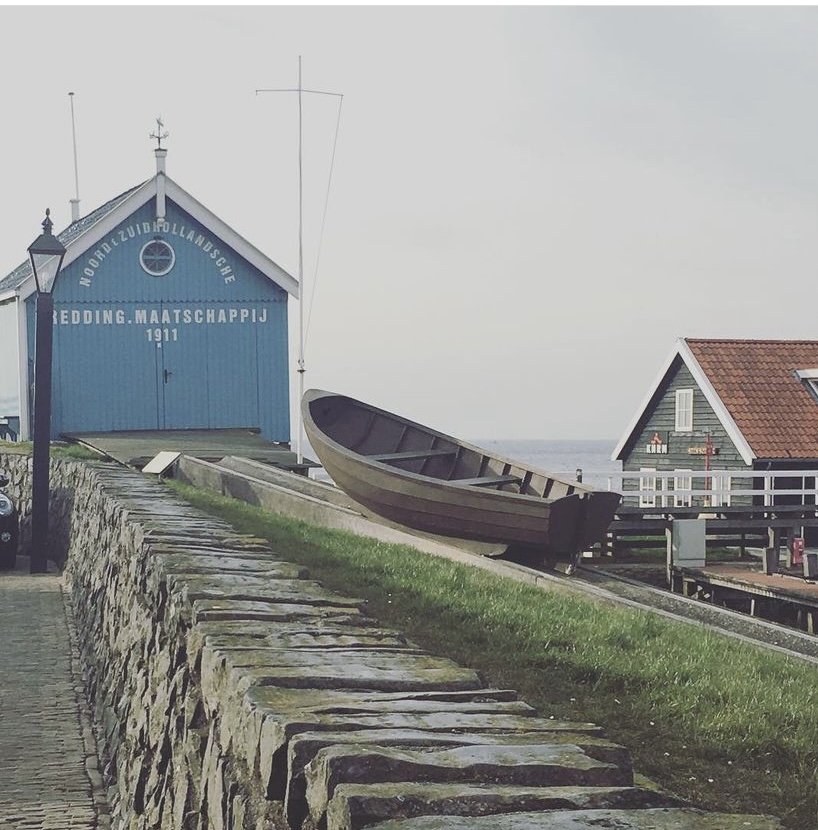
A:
[783,597]
[136,448]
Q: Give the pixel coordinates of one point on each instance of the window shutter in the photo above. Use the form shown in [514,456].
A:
[684,410]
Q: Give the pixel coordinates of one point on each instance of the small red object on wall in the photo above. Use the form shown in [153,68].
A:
[797,549]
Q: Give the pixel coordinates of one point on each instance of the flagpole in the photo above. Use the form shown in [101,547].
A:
[301,365]
[302,290]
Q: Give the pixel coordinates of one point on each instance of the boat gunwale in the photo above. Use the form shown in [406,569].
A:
[312,395]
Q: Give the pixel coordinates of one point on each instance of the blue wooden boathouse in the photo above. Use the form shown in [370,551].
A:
[164,319]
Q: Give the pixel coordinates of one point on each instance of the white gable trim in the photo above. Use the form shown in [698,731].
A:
[100,230]
[634,422]
[725,418]
[253,255]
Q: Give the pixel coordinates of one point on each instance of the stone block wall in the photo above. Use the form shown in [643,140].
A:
[61,504]
[232,692]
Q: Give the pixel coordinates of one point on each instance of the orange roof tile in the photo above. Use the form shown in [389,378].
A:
[756,382]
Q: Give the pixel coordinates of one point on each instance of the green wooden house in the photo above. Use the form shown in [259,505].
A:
[718,410]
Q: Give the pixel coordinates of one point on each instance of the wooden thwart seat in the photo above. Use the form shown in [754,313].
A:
[410,455]
[487,481]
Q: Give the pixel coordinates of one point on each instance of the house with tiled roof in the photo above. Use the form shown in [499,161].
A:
[165,318]
[724,406]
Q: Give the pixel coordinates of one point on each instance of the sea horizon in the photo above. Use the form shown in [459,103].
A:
[560,456]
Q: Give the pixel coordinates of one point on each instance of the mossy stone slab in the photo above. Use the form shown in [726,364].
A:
[263,630]
[304,747]
[232,566]
[222,608]
[369,670]
[185,562]
[649,819]
[288,712]
[223,586]
[204,540]
[354,806]
[527,765]
[359,638]
[279,700]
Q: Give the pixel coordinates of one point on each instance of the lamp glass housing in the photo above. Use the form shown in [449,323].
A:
[46,253]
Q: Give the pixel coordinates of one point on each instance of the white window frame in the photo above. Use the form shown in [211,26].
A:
[684,410]
[720,484]
[647,483]
[683,482]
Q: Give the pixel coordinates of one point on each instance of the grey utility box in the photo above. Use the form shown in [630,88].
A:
[686,543]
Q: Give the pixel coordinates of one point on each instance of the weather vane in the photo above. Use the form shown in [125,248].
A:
[159,135]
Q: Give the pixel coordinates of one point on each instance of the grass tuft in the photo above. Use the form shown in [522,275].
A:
[58,450]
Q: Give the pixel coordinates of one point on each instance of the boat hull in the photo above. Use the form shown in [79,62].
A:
[559,526]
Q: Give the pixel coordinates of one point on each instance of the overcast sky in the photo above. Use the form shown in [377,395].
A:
[529,205]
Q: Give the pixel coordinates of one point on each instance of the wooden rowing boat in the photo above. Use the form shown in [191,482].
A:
[423,479]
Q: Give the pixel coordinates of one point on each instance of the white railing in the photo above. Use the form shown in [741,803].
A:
[718,486]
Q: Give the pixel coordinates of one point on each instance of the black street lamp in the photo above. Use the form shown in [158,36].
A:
[46,254]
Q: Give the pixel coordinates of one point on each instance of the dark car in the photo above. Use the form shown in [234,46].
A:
[8,527]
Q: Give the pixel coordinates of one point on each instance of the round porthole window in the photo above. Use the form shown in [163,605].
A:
[157,257]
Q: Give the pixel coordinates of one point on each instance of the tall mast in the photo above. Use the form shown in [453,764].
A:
[303,293]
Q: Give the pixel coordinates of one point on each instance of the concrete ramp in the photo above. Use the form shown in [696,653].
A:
[299,497]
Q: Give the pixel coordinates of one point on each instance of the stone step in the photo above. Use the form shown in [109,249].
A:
[351,638]
[354,806]
[310,633]
[208,610]
[544,764]
[325,661]
[204,541]
[211,547]
[262,631]
[650,819]
[338,669]
[277,702]
[228,568]
[251,564]
[303,748]
[276,714]
[230,586]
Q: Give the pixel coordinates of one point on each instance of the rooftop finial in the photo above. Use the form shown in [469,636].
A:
[159,135]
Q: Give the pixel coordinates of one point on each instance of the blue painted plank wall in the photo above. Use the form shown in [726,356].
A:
[204,346]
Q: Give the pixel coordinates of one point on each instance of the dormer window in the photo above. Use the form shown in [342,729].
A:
[810,379]
[684,410]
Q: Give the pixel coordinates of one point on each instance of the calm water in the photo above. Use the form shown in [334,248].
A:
[562,458]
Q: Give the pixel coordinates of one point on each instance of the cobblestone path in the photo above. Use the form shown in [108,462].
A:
[48,767]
